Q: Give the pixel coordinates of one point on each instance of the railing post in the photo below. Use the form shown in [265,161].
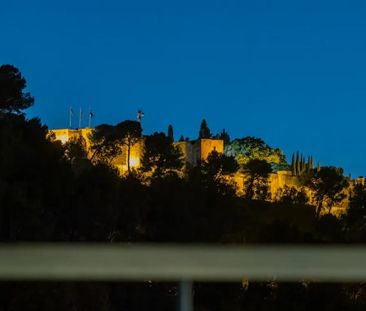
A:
[185,295]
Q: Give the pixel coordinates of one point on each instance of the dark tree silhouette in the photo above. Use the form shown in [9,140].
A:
[105,144]
[34,181]
[161,157]
[95,204]
[170,132]
[130,132]
[218,164]
[224,136]
[355,219]
[77,154]
[12,96]
[256,183]
[293,196]
[328,185]
[205,132]
[76,149]
[108,141]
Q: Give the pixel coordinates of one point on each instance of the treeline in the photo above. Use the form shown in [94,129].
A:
[54,192]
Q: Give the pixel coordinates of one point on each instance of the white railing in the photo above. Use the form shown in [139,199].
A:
[112,262]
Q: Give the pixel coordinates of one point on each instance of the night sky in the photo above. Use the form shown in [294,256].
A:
[290,72]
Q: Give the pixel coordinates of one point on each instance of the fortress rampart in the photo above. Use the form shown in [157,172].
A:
[193,153]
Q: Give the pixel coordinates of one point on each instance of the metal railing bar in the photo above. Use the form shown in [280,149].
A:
[120,262]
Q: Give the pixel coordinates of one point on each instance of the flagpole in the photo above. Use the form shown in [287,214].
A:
[90,117]
[80,117]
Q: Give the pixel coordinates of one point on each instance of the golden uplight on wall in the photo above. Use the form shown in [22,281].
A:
[134,162]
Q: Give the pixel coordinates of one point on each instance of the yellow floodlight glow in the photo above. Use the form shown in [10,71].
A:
[134,162]
[63,138]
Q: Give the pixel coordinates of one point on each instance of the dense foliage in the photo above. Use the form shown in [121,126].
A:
[251,148]
[108,140]
[12,96]
[161,157]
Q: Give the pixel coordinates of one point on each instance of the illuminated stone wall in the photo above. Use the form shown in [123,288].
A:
[281,179]
[209,145]
[64,135]
[184,149]
[278,180]
[198,150]
[193,151]
[135,157]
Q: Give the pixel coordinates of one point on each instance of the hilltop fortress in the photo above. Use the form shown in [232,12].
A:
[195,151]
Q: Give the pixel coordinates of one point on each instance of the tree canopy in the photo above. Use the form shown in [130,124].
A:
[105,143]
[13,99]
[251,148]
[328,185]
[108,140]
[224,136]
[256,183]
[160,156]
[219,164]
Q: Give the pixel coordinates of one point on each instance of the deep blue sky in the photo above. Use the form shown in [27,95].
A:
[290,72]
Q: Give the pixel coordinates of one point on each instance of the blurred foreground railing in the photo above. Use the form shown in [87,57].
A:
[120,262]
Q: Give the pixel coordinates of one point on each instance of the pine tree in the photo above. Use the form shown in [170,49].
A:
[13,99]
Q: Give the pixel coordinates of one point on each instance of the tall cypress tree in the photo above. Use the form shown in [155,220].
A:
[204,130]
[311,163]
[170,132]
[293,170]
[301,164]
[297,164]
